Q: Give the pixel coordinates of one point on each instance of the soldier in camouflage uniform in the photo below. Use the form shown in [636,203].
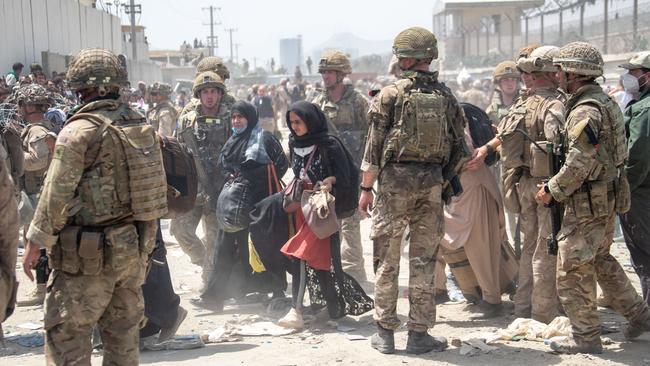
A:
[593,187]
[163,115]
[506,79]
[205,130]
[8,241]
[345,109]
[415,146]
[38,143]
[541,116]
[97,219]
[216,65]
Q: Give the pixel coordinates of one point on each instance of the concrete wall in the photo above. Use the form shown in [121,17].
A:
[30,27]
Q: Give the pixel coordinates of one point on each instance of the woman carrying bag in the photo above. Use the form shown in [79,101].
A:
[322,167]
[251,160]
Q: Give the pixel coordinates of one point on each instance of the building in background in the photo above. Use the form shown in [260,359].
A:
[291,54]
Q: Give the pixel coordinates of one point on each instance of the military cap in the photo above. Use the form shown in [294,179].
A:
[639,61]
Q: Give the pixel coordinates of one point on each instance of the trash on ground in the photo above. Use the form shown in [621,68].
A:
[30,326]
[33,339]
[177,343]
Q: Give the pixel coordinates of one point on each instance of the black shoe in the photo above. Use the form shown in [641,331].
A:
[422,342]
[487,310]
[214,305]
[383,341]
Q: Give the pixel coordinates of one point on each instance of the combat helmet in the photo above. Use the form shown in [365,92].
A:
[526,50]
[163,89]
[580,58]
[205,80]
[335,61]
[416,42]
[34,94]
[214,64]
[95,67]
[539,60]
[505,69]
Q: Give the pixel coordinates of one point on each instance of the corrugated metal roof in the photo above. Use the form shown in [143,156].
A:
[443,5]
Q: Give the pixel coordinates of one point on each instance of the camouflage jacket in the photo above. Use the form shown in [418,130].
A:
[589,142]
[8,228]
[227,100]
[637,125]
[83,160]
[497,110]
[540,113]
[37,154]
[386,106]
[163,118]
[347,119]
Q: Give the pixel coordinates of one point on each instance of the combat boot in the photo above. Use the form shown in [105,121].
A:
[384,340]
[423,342]
[570,346]
[35,298]
[637,326]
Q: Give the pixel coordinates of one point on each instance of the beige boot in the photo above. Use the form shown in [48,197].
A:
[570,346]
[35,298]
[292,320]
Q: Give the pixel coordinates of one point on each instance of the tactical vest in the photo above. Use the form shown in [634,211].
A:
[205,136]
[153,114]
[341,117]
[33,180]
[517,149]
[420,132]
[127,177]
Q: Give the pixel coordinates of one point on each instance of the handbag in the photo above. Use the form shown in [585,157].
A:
[292,193]
[234,205]
[319,212]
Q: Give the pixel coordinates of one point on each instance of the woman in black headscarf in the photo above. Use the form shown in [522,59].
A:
[246,159]
[318,158]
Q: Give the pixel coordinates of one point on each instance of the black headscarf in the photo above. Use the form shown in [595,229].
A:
[315,120]
[233,152]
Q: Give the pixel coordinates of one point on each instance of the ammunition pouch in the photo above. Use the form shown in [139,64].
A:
[622,191]
[540,161]
[512,141]
[592,199]
[88,251]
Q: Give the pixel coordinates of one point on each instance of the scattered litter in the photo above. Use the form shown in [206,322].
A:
[467,350]
[263,329]
[456,342]
[345,328]
[606,341]
[532,330]
[249,325]
[177,343]
[30,326]
[480,344]
[33,339]
[355,337]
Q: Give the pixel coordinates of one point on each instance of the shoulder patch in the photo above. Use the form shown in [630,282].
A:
[577,129]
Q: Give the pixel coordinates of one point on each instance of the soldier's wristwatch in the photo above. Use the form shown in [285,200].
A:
[365,189]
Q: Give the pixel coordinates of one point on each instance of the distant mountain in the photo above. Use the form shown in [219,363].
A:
[353,45]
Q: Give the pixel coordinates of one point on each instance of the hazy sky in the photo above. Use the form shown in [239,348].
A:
[261,23]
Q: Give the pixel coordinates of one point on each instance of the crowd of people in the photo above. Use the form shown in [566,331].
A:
[514,182]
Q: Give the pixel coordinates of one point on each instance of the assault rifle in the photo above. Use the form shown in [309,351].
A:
[555,161]
[557,210]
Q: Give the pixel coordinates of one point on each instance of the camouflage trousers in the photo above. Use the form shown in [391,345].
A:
[584,258]
[75,303]
[536,295]
[396,208]
[184,230]
[351,247]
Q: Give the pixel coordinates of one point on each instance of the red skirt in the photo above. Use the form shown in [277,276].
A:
[306,246]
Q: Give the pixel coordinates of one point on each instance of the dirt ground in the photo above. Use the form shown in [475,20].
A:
[322,344]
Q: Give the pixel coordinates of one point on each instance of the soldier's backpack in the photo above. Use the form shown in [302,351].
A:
[182,180]
[480,128]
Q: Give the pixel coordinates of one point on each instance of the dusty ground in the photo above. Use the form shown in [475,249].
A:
[322,344]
